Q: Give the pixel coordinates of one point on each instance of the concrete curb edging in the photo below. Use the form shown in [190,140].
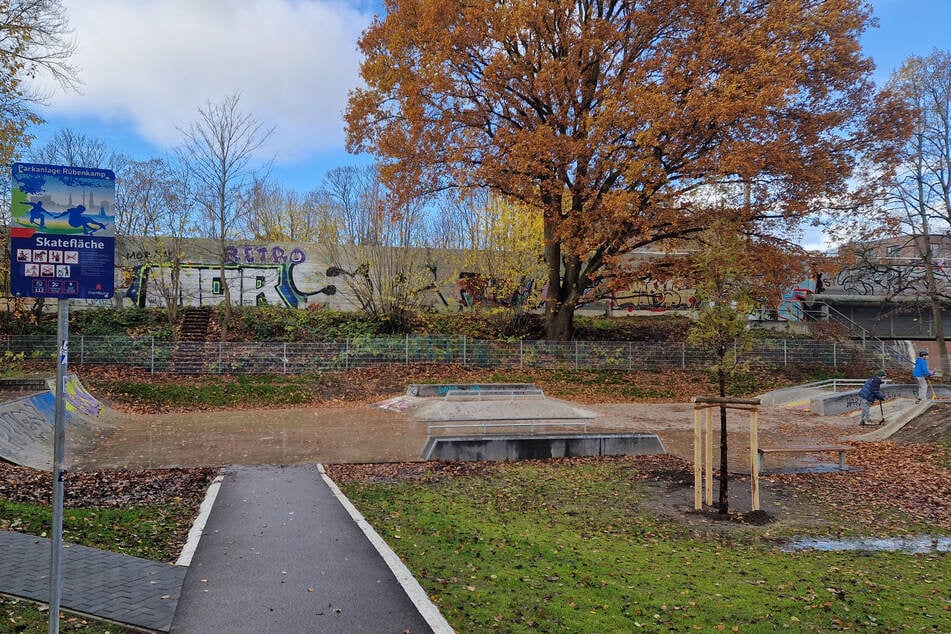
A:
[417,595]
[194,534]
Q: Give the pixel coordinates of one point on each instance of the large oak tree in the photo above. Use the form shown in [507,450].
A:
[611,117]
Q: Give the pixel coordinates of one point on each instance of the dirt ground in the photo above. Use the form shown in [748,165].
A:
[363,433]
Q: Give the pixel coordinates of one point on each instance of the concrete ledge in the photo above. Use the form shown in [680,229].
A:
[836,403]
[23,384]
[441,389]
[513,447]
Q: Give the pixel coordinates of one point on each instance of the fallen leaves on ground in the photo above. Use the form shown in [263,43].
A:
[908,478]
[105,489]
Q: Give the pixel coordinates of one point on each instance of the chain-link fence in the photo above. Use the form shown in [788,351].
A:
[296,358]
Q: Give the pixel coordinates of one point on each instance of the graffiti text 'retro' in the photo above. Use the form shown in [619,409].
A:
[250,254]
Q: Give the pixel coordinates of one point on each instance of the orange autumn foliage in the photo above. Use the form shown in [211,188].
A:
[614,117]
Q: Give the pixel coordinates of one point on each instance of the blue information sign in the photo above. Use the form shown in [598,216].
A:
[62,232]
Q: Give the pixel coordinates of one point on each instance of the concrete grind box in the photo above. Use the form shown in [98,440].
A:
[514,447]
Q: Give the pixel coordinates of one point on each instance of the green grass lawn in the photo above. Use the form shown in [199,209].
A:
[557,547]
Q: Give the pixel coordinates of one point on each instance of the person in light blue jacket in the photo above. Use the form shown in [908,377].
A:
[921,374]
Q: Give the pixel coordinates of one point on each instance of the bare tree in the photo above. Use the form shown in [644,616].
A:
[356,197]
[381,256]
[217,151]
[921,193]
[35,40]
[498,241]
[69,147]
[153,210]
[286,215]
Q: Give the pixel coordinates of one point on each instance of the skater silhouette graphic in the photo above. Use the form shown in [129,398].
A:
[37,213]
[78,219]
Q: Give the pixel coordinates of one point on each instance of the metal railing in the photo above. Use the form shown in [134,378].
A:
[296,358]
[834,315]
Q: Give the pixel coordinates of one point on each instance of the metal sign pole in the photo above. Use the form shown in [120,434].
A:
[59,465]
[64,251]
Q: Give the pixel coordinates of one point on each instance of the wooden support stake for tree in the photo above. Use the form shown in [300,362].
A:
[704,446]
[754,458]
[697,461]
[709,452]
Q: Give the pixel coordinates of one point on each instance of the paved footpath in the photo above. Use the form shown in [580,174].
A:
[281,553]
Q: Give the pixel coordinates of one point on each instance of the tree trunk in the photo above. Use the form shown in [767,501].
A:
[935,299]
[561,296]
[559,324]
[941,352]
[172,300]
[226,292]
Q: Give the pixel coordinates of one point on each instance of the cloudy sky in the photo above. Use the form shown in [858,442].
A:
[147,65]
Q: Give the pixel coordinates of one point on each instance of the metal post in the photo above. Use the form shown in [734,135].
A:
[521,354]
[59,466]
[346,354]
[463,350]
[835,360]
[152,356]
[406,350]
[785,352]
[284,358]
[576,354]
[82,349]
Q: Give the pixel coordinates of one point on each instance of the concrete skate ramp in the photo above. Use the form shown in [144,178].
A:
[26,424]
[898,414]
[473,389]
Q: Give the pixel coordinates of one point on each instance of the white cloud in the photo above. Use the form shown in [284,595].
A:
[152,63]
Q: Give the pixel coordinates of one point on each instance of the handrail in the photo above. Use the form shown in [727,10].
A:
[893,351]
[835,384]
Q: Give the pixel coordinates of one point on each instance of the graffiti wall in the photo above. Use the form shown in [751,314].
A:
[890,277]
[256,274]
[653,296]
[303,275]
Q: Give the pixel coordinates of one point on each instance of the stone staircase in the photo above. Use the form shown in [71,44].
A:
[897,354]
[190,355]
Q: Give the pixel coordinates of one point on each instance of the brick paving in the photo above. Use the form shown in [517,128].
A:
[112,586]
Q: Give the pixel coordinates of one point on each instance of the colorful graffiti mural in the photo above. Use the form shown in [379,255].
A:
[200,284]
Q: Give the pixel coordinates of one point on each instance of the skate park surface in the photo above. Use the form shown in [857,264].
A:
[396,430]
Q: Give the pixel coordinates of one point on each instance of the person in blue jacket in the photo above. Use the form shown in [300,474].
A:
[871,392]
[921,374]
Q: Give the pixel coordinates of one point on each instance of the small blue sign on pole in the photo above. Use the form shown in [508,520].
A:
[62,232]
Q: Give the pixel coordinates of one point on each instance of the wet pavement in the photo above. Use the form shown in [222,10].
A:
[280,553]
[365,434]
[910,545]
